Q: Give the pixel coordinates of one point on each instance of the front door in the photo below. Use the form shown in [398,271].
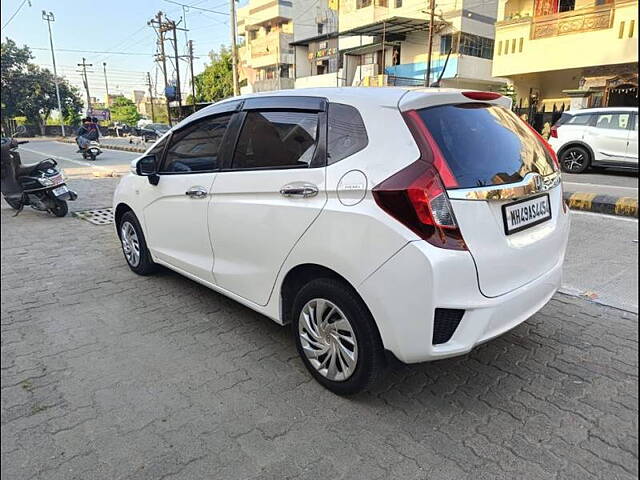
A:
[176,208]
[267,197]
[609,136]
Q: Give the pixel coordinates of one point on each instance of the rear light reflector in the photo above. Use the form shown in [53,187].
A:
[482,96]
[549,148]
[445,324]
[554,131]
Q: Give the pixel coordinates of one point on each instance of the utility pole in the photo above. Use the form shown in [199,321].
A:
[234,47]
[153,113]
[85,80]
[49,17]
[157,24]
[177,56]
[106,83]
[432,8]
[193,83]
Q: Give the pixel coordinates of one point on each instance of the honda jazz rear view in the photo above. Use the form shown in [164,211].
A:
[371,222]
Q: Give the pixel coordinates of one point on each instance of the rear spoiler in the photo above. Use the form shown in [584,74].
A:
[431,97]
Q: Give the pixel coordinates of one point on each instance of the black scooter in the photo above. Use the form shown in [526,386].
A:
[40,185]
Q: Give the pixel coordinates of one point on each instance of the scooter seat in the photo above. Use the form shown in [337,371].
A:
[29,169]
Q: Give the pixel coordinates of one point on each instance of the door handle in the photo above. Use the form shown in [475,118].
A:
[197,192]
[299,189]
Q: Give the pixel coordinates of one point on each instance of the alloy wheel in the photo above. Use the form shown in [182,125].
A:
[574,160]
[130,243]
[328,339]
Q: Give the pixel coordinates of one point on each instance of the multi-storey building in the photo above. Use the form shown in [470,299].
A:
[385,42]
[266,59]
[580,53]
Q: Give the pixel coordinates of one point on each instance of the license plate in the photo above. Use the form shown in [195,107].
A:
[526,213]
[60,191]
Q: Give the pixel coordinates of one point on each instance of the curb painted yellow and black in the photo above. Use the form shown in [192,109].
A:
[123,148]
[607,204]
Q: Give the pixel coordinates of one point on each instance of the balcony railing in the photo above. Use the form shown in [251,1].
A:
[565,23]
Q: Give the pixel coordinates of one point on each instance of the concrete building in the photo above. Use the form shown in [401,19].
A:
[580,53]
[384,42]
[266,59]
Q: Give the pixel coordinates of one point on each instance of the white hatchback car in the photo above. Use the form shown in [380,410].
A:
[599,137]
[416,222]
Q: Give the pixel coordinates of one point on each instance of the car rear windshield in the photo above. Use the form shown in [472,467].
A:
[486,144]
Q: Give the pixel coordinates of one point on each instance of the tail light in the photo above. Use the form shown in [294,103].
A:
[554,131]
[549,148]
[416,195]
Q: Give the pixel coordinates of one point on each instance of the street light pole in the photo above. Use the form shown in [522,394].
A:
[432,8]
[49,17]
[106,83]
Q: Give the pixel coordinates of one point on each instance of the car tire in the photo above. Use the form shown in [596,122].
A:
[320,310]
[575,159]
[134,245]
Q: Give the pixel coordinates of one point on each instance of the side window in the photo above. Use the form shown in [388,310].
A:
[276,139]
[579,120]
[195,149]
[613,121]
[346,132]
[158,148]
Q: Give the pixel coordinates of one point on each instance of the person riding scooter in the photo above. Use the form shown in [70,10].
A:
[82,136]
[87,138]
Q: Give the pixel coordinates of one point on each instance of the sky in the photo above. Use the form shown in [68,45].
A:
[117,26]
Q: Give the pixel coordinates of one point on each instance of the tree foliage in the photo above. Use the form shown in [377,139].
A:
[28,90]
[125,111]
[216,81]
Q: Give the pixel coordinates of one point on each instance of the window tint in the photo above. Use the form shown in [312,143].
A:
[158,148]
[346,134]
[277,140]
[614,121]
[195,149]
[579,120]
[486,144]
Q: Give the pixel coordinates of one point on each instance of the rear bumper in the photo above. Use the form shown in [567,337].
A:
[404,293]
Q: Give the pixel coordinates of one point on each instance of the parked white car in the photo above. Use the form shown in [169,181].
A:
[416,222]
[599,137]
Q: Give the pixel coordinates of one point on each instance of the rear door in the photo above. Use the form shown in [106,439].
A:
[269,193]
[508,202]
[609,135]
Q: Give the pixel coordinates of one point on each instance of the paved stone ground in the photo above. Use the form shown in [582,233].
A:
[107,375]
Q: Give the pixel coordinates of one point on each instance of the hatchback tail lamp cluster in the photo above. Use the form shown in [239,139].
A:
[416,195]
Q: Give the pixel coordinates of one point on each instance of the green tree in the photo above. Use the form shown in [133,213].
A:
[216,81]
[125,111]
[28,90]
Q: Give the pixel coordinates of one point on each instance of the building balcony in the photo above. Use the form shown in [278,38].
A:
[587,37]
[271,49]
[271,84]
[259,12]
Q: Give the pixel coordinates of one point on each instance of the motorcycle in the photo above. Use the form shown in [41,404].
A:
[92,151]
[40,185]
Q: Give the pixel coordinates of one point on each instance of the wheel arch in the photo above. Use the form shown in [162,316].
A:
[301,274]
[120,210]
[577,143]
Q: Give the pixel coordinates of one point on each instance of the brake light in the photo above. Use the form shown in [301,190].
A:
[482,96]
[416,196]
[554,131]
[549,148]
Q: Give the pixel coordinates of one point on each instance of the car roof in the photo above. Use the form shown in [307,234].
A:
[585,111]
[358,97]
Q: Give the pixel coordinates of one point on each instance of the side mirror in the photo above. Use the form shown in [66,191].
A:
[147,167]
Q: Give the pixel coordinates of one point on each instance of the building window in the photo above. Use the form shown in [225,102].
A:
[445,43]
[363,3]
[521,45]
[499,51]
[513,46]
[320,28]
[566,5]
[621,31]
[632,26]
[398,3]
[476,46]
